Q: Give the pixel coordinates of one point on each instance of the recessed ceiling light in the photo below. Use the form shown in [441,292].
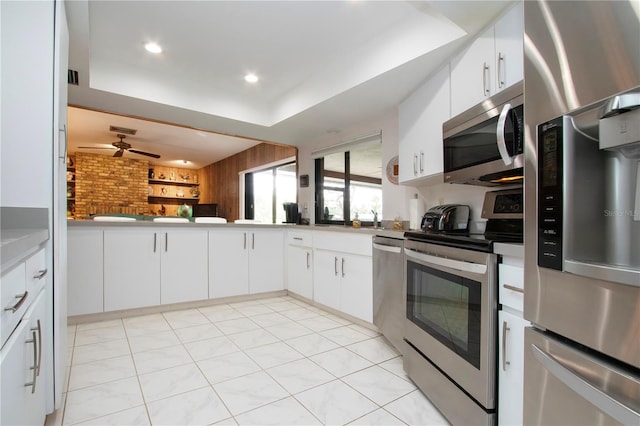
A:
[153,47]
[251,78]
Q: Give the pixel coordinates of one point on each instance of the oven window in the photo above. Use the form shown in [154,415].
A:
[447,307]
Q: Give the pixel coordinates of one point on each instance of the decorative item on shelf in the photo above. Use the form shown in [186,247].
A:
[397,223]
[163,190]
[71,176]
[161,176]
[392,170]
[195,192]
[70,162]
[356,222]
[180,193]
[195,178]
[70,191]
[152,174]
[185,178]
[163,210]
[172,176]
[185,210]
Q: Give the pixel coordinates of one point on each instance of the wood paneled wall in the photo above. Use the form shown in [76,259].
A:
[219,182]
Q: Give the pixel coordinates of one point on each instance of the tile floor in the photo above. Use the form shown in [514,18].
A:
[273,361]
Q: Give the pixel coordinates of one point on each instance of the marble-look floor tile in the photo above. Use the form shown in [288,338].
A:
[299,314]
[282,306]
[198,332]
[287,411]
[144,324]
[375,350]
[102,350]
[320,323]
[253,310]
[253,338]
[227,422]
[99,324]
[172,381]
[274,354]
[249,392]
[300,375]
[227,367]
[379,417]
[340,362]
[379,385]
[416,409]
[103,371]
[364,330]
[220,313]
[394,365]
[246,303]
[288,330]
[335,403]
[132,417]
[311,344]
[210,348]
[267,320]
[344,335]
[161,359]
[237,325]
[100,400]
[186,318]
[153,340]
[97,335]
[71,335]
[197,407]
[337,319]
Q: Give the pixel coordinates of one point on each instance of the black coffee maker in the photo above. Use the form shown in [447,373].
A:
[291,211]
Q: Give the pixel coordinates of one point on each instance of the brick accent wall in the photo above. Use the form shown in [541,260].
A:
[105,184]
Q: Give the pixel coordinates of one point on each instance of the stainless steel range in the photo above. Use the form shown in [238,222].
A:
[451,311]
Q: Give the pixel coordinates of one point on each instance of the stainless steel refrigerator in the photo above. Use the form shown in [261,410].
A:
[582,222]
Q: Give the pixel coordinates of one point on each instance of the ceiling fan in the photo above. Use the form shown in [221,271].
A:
[123,146]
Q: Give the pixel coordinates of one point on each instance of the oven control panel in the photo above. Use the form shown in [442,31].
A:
[550,139]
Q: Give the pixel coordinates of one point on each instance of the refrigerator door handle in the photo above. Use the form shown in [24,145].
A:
[586,390]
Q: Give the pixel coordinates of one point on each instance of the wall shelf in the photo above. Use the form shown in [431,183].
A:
[164,197]
[172,182]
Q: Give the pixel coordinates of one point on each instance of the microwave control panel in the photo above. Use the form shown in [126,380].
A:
[550,191]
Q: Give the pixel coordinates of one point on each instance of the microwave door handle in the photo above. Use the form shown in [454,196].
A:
[458,265]
[597,397]
[502,145]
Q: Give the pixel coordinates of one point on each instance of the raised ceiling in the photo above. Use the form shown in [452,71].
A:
[323,65]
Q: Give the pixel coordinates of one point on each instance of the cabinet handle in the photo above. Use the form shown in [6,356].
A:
[62,153]
[32,383]
[335,265]
[308,254]
[40,275]
[19,303]
[415,164]
[421,161]
[512,288]
[343,266]
[501,65]
[505,328]
[253,241]
[155,240]
[39,330]
[245,240]
[485,70]
[166,242]
[297,238]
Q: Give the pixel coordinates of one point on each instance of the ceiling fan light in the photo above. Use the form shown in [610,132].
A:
[153,47]
[251,78]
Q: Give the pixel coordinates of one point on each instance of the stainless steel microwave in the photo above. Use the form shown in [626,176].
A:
[485,144]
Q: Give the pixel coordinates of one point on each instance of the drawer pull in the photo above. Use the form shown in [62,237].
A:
[512,288]
[297,238]
[32,383]
[22,298]
[39,330]
[40,275]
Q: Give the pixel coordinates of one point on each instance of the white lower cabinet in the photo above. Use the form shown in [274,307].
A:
[342,273]
[511,367]
[23,370]
[300,270]
[152,267]
[85,285]
[245,261]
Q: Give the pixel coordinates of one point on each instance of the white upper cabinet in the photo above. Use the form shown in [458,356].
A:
[420,128]
[492,62]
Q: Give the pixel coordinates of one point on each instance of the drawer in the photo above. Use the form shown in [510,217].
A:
[511,286]
[345,242]
[14,300]
[36,273]
[299,238]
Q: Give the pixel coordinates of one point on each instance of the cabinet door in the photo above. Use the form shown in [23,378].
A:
[300,271]
[357,286]
[228,263]
[184,271]
[420,128]
[85,270]
[266,261]
[509,48]
[472,73]
[326,278]
[131,269]
[511,367]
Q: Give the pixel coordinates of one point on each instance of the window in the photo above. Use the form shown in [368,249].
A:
[267,190]
[349,182]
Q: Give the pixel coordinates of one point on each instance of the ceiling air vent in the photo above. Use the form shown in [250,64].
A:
[72,77]
[122,130]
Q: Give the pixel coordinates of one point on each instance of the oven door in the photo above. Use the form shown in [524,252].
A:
[451,312]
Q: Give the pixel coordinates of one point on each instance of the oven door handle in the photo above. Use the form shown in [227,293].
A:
[502,144]
[390,249]
[459,265]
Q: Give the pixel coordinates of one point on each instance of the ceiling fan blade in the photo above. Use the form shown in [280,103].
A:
[94,147]
[148,154]
[119,153]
